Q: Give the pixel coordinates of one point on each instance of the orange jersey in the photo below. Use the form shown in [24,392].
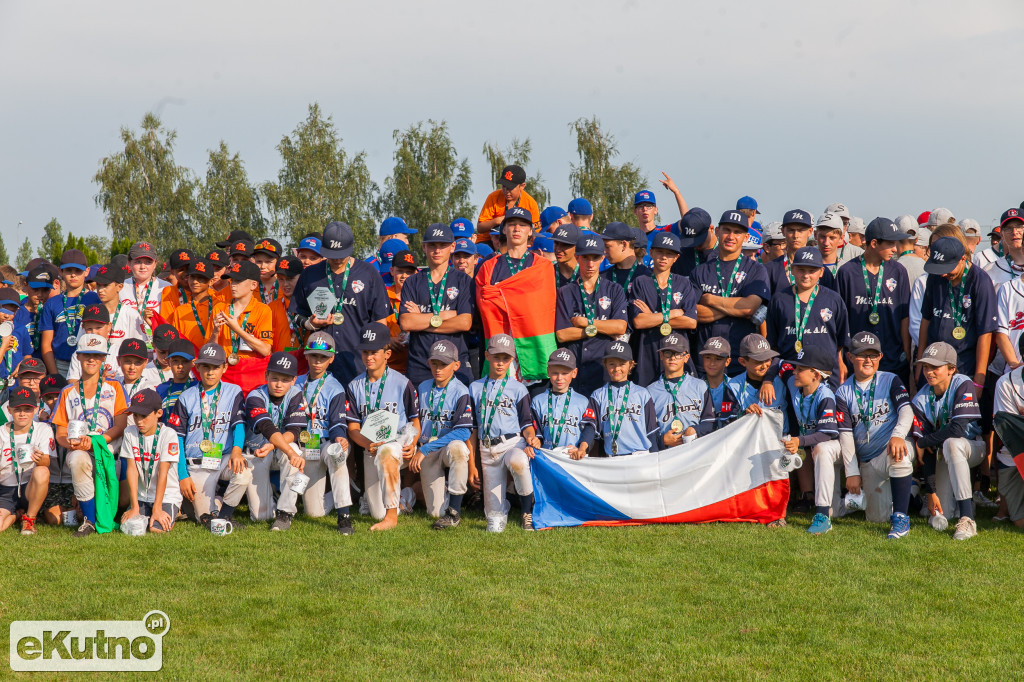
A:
[494,207]
[259,323]
[284,337]
[70,406]
[170,299]
[399,358]
[184,320]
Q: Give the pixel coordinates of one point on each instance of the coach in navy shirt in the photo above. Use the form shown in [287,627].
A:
[796,228]
[360,293]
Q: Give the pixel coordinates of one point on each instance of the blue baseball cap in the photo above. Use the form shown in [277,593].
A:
[644,196]
[693,228]
[542,244]
[387,251]
[462,227]
[566,234]
[590,245]
[437,233]
[809,256]
[748,203]
[580,206]
[311,243]
[550,215]
[484,250]
[463,245]
[617,231]
[797,216]
[394,225]
[665,240]
[944,256]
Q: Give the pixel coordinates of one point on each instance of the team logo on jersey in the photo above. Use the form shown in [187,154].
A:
[173,420]
[357,286]
[1017,323]
[589,414]
[967,302]
[604,302]
[890,283]
[452,292]
[726,407]
[172,449]
[740,276]
[826,314]
[677,296]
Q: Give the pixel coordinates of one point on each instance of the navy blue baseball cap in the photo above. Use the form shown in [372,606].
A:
[1012,214]
[884,230]
[312,243]
[550,215]
[665,240]
[462,227]
[338,241]
[394,225]
[566,234]
[438,233]
[518,213]
[618,350]
[797,216]
[463,245]
[580,206]
[747,203]
[815,356]
[375,336]
[283,363]
[734,218]
[809,256]
[590,245]
[616,231]
[543,244]
[944,255]
[693,228]
[644,196]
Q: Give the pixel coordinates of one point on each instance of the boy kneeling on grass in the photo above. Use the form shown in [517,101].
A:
[26,447]
[567,420]
[151,450]
[628,420]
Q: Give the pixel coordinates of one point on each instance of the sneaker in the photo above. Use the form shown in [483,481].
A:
[364,506]
[282,520]
[496,522]
[345,524]
[527,521]
[449,519]
[85,529]
[204,520]
[820,525]
[1000,519]
[777,523]
[899,525]
[982,501]
[803,506]
[966,528]
[28,525]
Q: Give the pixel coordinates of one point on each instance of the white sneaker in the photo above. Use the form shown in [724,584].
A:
[982,501]
[966,528]
[496,522]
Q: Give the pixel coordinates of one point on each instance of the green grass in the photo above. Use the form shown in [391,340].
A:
[682,602]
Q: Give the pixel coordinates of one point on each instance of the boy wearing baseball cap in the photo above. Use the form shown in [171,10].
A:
[875,418]
[244,328]
[62,315]
[308,250]
[101,404]
[447,420]
[132,358]
[464,257]
[381,388]
[564,238]
[756,356]
[194,318]
[682,403]
[697,240]
[95,320]
[325,403]
[143,290]
[266,254]
[122,320]
[173,296]
[15,343]
[403,266]
[716,356]
[151,451]
[38,285]
[565,420]
[618,249]
[208,419]
[626,415]
[502,424]
[511,194]
[947,421]
[26,447]
[180,356]
[288,334]
[830,237]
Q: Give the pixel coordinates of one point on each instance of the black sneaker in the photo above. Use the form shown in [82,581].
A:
[527,521]
[450,519]
[803,506]
[85,529]
[282,521]
[204,520]
[345,524]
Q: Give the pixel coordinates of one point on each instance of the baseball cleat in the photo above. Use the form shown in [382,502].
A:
[966,528]
[85,529]
[982,501]
[282,521]
[777,523]
[450,519]
[345,524]
[899,526]
[527,521]
[820,525]
[28,525]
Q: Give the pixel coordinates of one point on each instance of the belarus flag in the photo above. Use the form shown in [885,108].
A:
[724,476]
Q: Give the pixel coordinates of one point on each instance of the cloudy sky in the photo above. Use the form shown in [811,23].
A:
[891,107]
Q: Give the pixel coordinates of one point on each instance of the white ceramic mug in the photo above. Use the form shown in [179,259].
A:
[300,482]
[69,518]
[221,527]
[136,525]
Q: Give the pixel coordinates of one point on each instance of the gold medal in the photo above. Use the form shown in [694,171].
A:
[677,426]
[959,333]
[338,318]
[303,437]
[665,328]
[206,446]
[591,330]
[432,439]
[799,346]
[435,321]
[615,448]
[233,359]
[874,318]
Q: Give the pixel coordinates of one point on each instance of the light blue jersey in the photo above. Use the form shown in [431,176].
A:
[870,410]
[393,392]
[635,426]
[512,413]
[187,419]
[445,414]
[746,395]
[691,404]
[325,406]
[563,418]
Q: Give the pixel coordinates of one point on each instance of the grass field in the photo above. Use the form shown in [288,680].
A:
[683,602]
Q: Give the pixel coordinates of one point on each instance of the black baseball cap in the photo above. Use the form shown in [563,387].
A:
[146,401]
[218,257]
[512,176]
[180,258]
[797,216]
[201,268]
[108,274]
[403,259]
[240,247]
[289,266]
[133,348]
[693,228]
[283,363]
[375,336]
[163,335]
[438,233]
[96,313]
[181,348]
[619,350]
[23,396]
[589,245]
[734,217]
[9,295]
[52,384]
[31,365]
[271,247]
[40,278]
[234,236]
[141,250]
[665,240]
[518,213]
[243,271]
[884,230]
[808,256]
[617,231]
[338,241]
[816,357]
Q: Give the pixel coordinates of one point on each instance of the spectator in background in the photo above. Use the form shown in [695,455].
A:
[855,232]
[773,242]
[697,241]
[581,213]
[551,217]
[511,195]
[462,228]
[1011,265]
[983,258]
[393,234]
[403,266]
[912,256]
[797,226]
[543,246]
[972,231]
[748,207]
[464,256]
[308,250]
[385,254]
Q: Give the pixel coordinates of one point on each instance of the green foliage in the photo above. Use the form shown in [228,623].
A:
[319,182]
[53,241]
[144,194]
[608,187]
[24,255]
[226,201]
[518,153]
[99,244]
[429,184]
[73,242]
[119,246]
[4,258]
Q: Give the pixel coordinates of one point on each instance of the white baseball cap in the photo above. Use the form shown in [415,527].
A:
[92,344]
[924,236]
[773,232]
[856,226]
[838,209]
[907,224]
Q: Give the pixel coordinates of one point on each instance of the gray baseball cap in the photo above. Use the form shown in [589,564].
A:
[773,232]
[676,342]
[502,343]
[717,345]
[619,350]
[856,226]
[211,354]
[865,341]
[563,357]
[757,348]
[320,342]
[938,354]
[444,351]
[838,209]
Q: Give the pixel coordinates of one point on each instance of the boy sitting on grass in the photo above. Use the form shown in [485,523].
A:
[151,450]
[26,447]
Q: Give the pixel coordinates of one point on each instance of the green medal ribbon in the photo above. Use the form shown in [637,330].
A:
[380,392]
[801,319]
[140,461]
[956,298]
[867,284]
[71,320]
[209,411]
[805,412]
[629,277]
[95,402]
[515,265]
[665,296]
[557,435]
[311,401]
[615,426]
[344,285]
[436,299]
[588,304]
[865,400]
[14,455]
[263,292]
[195,311]
[435,415]
[726,292]
[941,416]
[492,403]
[672,388]
[236,339]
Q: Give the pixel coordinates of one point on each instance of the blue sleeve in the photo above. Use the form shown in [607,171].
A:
[337,424]
[46,318]
[451,436]
[651,422]
[525,413]
[182,464]
[299,304]
[238,436]
[409,400]
[563,308]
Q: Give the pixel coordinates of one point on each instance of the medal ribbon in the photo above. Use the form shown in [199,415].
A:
[140,461]
[515,266]
[665,296]
[805,413]
[726,291]
[436,299]
[208,413]
[263,292]
[344,285]
[941,416]
[145,299]
[557,435]
[865,400]
[867,283]
[435,416]
[800,320]
[236,339]
[493,403]
[95,402]
[956,298]
[616,426]
[209,314]
[380,392]
[588,304]
[70,319]
[14,457]
[672,388]
[311,401]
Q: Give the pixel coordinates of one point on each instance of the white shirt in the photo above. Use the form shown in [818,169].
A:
[128,325]
[983,258]
[42,441]
[166,451]
[1009,397]
[128,293]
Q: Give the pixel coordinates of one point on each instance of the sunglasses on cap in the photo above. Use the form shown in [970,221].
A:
[319,345]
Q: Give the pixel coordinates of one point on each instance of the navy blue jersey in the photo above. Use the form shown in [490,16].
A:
[510,407]
[187,417]
[638,428]
[689,259]
[31,320]
[750,280]
[458,296]
[826,326]
[501,271]
[169,391]
[978,314]
[608,302]
[626,277]
[392,392]
[286,414]
[870,411]
[815,413]
[893,307]
[691,404]
[780,275]
[20,347]
[364,300]
[326,406]
[958,403]
[684,297]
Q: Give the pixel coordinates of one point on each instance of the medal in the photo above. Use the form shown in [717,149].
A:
[72,340]
[206,446]
[338,318]
[874,318]
[665,329]
[435,321]
[303,437]
[677,426]
[799,346]
[615,448]
[432,439]
[959,333]
[591,330]
[233,359]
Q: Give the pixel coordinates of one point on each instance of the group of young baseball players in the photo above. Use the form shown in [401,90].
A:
[304,379]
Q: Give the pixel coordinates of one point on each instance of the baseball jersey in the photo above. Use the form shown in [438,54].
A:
[913,265]
[985,257]
[256,319]
[145,380]
[724,404]
[445,414]
[511,413]
[750,279]
[458,296]
[563,419]
[42,441]
[287,413]
[914,314]
[502,271]
[1009,317]
[325,405]
[59,312]
[978,309]
[287,335]
[780,276]
[645,288]
[870,409]
[169,392]
[847,253]
[626,277]
[607,302]
[21,345]
[1009,397]
[826,325]
[197,331]
[364,300]
[138,451]
[690,258]
[171,297]
[815,413]
[958,403]
[30,320]
[1002,270]
[690,403]
[746,394]
[494,207]
[893,306]
[143,297]
[392,392]
[638,428]
[187,417]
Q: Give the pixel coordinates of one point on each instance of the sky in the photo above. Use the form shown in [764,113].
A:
[889,107]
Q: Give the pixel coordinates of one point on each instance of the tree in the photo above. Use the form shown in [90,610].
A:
[608,187]
[318,182]
[53,240]
[4,258]
[226,201]
[144,194]
[430,183]
[97,243]
[24,255]
[518,153]
[73,242]
[119,246]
